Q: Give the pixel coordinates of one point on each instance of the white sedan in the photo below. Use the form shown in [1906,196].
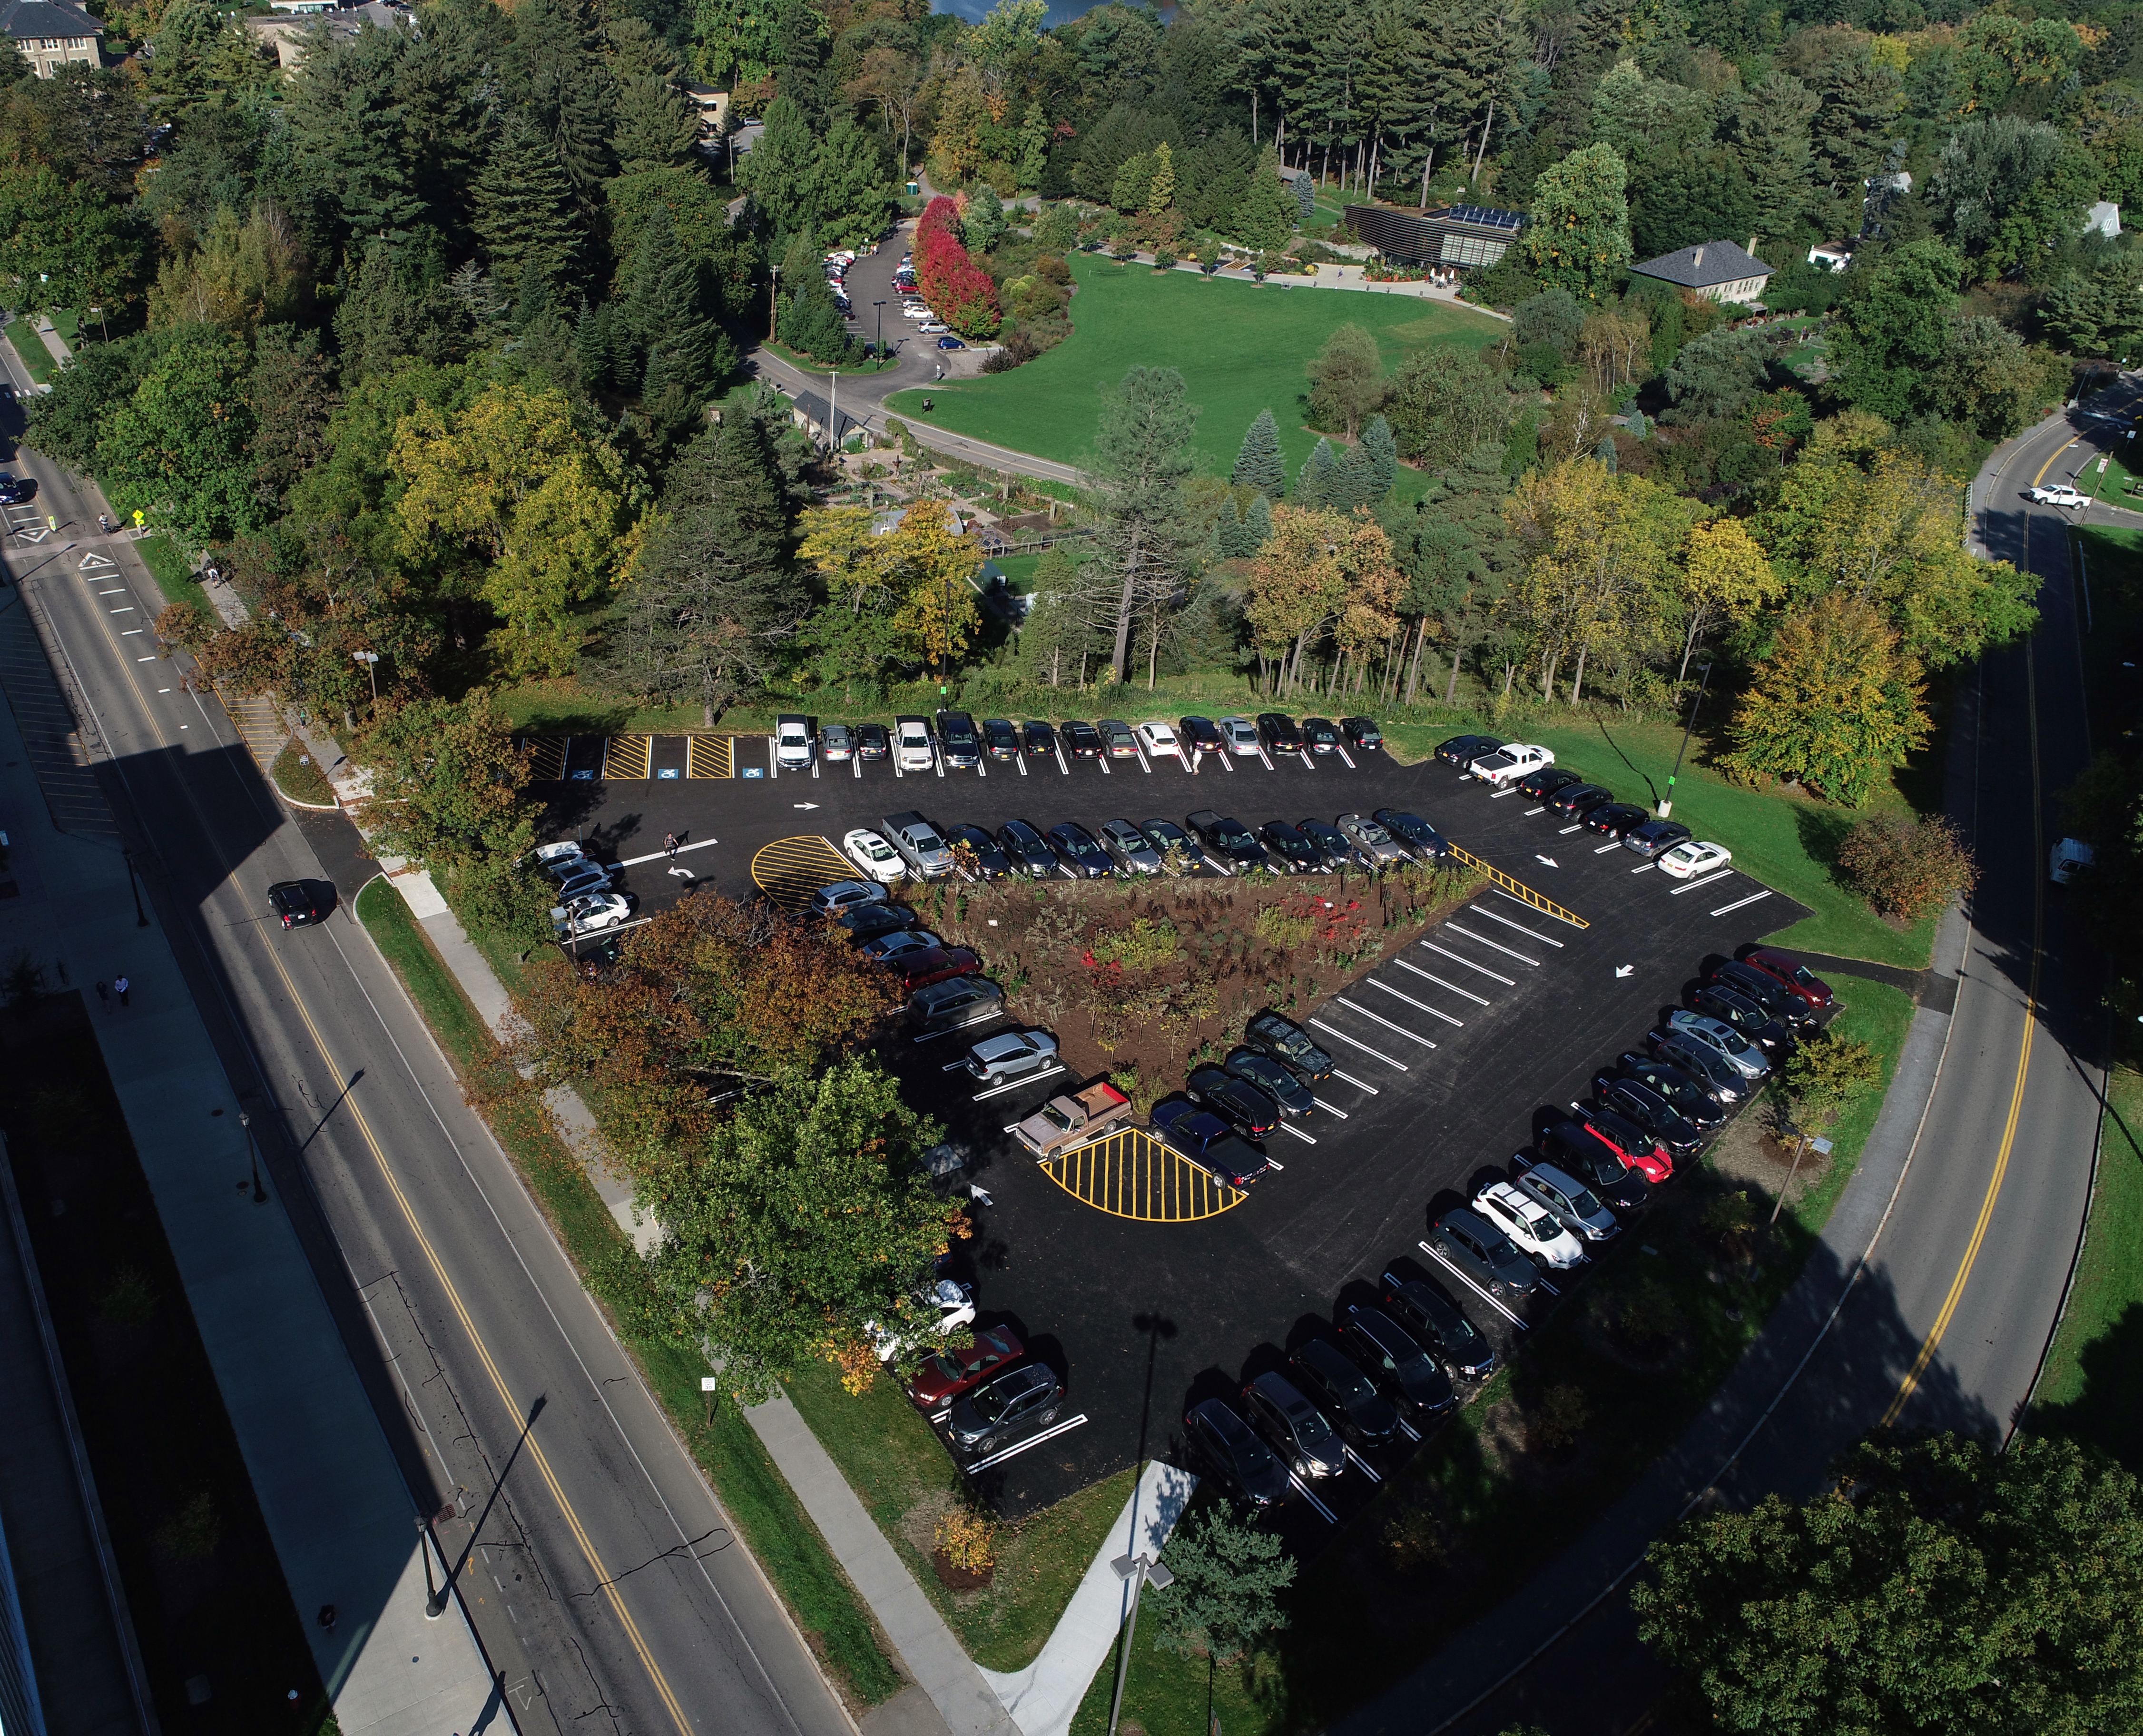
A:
[875,856]
[1529,1223]
[1686,861]
[593,912]
[915,310]
[936,1309]
[2056,493]
[1159,738]
[934,329]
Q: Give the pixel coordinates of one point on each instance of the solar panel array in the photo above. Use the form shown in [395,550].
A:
[1487,218]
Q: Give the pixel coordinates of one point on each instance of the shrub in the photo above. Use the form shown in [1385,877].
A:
[1643,1315]
[969,1541]
[1146,944]
[1906,867]
[1165,259]
[1826,1075]
[1554,1423]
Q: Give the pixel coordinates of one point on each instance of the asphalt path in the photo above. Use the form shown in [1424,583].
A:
[603,1577]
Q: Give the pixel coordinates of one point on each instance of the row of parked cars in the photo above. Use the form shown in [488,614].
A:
[1531,770]
[915,742]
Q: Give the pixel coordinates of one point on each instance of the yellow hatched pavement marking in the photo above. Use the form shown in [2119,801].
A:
[1519,888]
[547,758]
[628,757]
[1131,1174]
[790,870]
[708,757]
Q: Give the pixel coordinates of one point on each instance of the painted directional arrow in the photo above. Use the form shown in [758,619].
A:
[1550,860]
[39,535]
[1625,971]
[804,804]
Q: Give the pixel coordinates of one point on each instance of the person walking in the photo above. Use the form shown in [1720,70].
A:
[104,995]
[124,987]
[670,846]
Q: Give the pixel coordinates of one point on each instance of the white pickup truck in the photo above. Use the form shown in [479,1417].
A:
[1510,762]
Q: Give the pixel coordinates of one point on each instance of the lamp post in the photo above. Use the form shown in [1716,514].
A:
[253,1158]
[773,291]
[1143,1571]
[370,659]
[1666,801]
[880,306]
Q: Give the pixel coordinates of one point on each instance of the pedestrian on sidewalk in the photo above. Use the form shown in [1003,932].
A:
[326,1618]
[123,986]
[104,995]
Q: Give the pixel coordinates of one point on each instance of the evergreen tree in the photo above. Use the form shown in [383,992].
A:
[1257,522]
[1367,472]
[984,226]
[1320,480]
[1268,214]
[1147,538]
[1258,464]
[655,127]
[524,209]
[591,343]
[558,55]
[471,286]
[1033,148]
[660,297]
[1160,188]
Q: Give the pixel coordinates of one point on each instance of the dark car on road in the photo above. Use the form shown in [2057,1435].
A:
[1695,1102]
[1391,1358]
[1235,1101]
[872,742]
[1289,1095]
[1462,751]
[1484,1253]
[301,903]
[1655,838]
[1571,1149]
[1225,840]
[1020,1398]
[1790,1010]
[1202,733]
[1441,1325]
[1081,738]
[1730,1006]
[1428,844]
[1652,1113]
[1040,739]
[1202,1136]
[1792,975]
[1321,735]
[1330,844]
[868,921]
[989,862]
[1573,801]
[1229,1447]
[1289,848]
[1295,1428]
[1278,733]
[1543,783]
[1614,820]
[953,1368]
[1287,1043]
[1329,1376]
[1000,740]
[956,740]
[1026,850]
[1076,849]
[1361,734]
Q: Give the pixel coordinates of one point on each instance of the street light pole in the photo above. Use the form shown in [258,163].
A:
[880,306]
[772,290]
[1666,801]
[1141,1570]
[253,1158]
[370,659]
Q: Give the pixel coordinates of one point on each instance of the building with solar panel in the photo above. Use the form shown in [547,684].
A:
[1451,238]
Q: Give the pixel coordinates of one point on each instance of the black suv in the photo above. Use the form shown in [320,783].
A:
[1443,1324]
[1235,1101]
[1573,1150]
[1366,1417]
[1287,1043]
[956,739]
[1484,1253]
[1428,844]
[1294,851]
[983,1418]
[1382,1346]
[1000,740]
[1229,1445]
[1462,751]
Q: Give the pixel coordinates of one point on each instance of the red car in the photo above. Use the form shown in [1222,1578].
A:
[952,1370]
[933,964]
[1792,975]
[1635,1147]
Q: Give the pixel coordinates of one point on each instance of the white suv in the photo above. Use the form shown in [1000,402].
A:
[792,741]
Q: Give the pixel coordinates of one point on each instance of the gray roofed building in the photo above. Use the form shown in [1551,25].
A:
[1717,270]
[52,34]
[810,412]
[291,29]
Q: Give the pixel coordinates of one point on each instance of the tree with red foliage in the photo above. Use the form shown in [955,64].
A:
[958,290]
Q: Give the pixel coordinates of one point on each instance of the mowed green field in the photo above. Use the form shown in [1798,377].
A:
[1242,347]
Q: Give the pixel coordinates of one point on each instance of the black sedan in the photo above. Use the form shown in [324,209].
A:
[1000,740]
[1026,849]
[301,903]
[868,921]
[1287,1043]
[1484,1253]
[1235,1101]
[1361,733]
[1039,737]
[1230,1447]
[1394,1361]
[1289,1095]
[1330,843]
[1082,738]
[1655,838]
[1428,844]
[1573,801]
[1291,849]
[1329,1378]
[1321,735]
[1614,819]
[1441,1324]
[1545,782]
[1462,751]
[1574,1152]
[1083,857]
[1652,1112]
[1225,840]
[1790,1010]
[1201,733]
[1690,1098]
[1279,732]
[990,860]
[872,742]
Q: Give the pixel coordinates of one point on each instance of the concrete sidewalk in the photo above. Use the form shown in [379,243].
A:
[302,1423]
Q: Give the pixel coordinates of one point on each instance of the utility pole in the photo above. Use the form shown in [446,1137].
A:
[1141,1570]
[1666,801]
[773,289]
[880,306]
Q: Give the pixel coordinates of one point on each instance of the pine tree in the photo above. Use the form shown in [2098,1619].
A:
[524,208]
[984,226]
[655,127]
[1034,148]
[471,286]
[1257,522]
[1320,480]
[1161,189]
[1267,216]
[660,294]
[592,343]
[571,96]
[1258,464]
[1366,473]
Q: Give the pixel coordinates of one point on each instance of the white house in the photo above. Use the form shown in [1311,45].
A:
[1719,270]
[52,34]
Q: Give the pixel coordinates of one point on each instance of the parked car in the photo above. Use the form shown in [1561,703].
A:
[837,741]
[1026,850]
[1361,734]
[1202,1136]
[1117,738]
[1512,761]
[1278,733]
[1179,851]
[1694,1102]
[1320,735]
[1158,739]
[1573,1205]
[1225,840]
[1229,1448]
[1287,1043]
[1535,1230]
[1011,1055]
[921,846]
[844,895]
[1462,751]
[792,743]
[1730,1006]
[1712,1071]
[872,742]
[977,851]
[1289,848]
[1614,820]
[1768,992]
[1428,844]
[591,912]
[1083,859]
[1543,783]
[1389,1354]
[874,856]
[945,340]
[1327,1375]
[867,921]
[1484,1253]
[933,964]
[1236,1101]
[987,1416]
[942,1306]
[1079,1118]
[1795,978]
[301,903]
[1573,801]
[953,1005]
[1289,1095]
[1652,1112]
[1377,846]
[1745,1057]
[1202,734]
[951,1370]
[1655,838]
[1082,740]
[1039,738]
[1631,1141]
[1294,1428]
[1128,848]
[1000,740]
[957,738]
[914,749]
[1687,861]
[1330,844]
[1572,1147]
[1441,1325]
[582,877]
[883,949]
[1241,734]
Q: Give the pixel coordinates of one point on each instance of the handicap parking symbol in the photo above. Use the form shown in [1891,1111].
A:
[668,771]
[752,771]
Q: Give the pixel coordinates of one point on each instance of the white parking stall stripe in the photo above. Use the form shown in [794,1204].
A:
[1455,959]
[855,765]
[1011,1085]
[1339,1114]
[1349,759]
[1061,766]
[1329,1031]
[1227,759]
[1753,898]
[1644,867]
[1341,1001]
[1409,1431]
[1358,1084]
[1463,993]
[1265,757]
[1452,1267]
[1102,761]
[1288,1127]
[1710,880]
[1013,1452]
[1530,812]
[1138,748]
[1604,848]
[1308,763]
[1493,916]
[1329,1518]
[1361,1464]
[1492,945]
[1501,794]
[1567,830]
[1423,1005]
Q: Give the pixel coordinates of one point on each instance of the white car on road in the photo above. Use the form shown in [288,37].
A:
[1158,738]
[1686,861]
[876,857]
[1510,761]
[2058,494]
[1528,1222]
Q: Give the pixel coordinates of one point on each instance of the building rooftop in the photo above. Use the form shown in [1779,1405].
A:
[1704,265]
[30,20]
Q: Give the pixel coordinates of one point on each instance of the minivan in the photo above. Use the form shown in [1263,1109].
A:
[792,741]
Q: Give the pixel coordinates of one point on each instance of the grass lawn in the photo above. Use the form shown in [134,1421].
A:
[21,332]
[564,707]
[760,1503]
[298,777]
[66,323]
[1242,348]
[174,574]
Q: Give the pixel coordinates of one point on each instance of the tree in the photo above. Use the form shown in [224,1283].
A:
[1579,239]
[983,226]
[1893,328]
[1721,374]
[180,449]
[1033,148]
[1772,139]
[68,243]
[1825,1075]
[1224,1602]
[1905,866]
[557,59]
[1316,485]
[1725,576]
[239,276]
[1444,402]
[1258,465]
[1145,540]
[1837,704]
[1940,1585]
[66,422]
[446,780]
[1322,573]
[1984,175]
[1346,380]
[1160,185]
[1859,100]
[1269,212]
[1552,317]
[798,1223]
[1366,473]
[292,393]
[525,208]
[654,126]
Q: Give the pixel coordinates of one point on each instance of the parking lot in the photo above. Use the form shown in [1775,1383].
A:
[1450,1047]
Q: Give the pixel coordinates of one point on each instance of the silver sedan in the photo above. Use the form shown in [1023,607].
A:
[1377,846]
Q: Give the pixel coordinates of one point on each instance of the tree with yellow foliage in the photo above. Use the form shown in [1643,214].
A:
[916,575]
[1725,576]
[1321,573]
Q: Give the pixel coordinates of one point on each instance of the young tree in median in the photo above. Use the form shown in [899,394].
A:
[1228,1577]
[1941,1585]
[1146,541]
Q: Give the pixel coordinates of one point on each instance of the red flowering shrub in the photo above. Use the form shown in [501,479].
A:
[958,290]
